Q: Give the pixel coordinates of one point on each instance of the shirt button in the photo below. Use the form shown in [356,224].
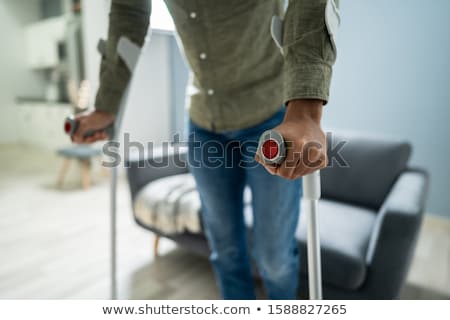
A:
[203,56]
[210,92]
[193,15]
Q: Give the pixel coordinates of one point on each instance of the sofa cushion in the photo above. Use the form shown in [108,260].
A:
[170,205]
[373,164]
[345,232]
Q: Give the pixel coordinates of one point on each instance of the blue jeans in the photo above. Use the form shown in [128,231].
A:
[222,165]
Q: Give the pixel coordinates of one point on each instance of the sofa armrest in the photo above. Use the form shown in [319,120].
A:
[161,162]
[395,233]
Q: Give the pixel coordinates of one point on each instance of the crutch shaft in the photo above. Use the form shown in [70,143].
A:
[313,247]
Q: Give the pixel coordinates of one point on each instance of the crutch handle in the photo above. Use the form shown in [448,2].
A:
[271,148]
[71,125]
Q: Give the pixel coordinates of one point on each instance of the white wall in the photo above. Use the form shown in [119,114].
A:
[392,78]
[15,78]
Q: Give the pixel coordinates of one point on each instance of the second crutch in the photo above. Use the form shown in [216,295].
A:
[129,53]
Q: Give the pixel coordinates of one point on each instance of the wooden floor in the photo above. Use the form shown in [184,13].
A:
[54,243]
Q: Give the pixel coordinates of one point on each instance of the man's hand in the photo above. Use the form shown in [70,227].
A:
[305,141]
[92,121]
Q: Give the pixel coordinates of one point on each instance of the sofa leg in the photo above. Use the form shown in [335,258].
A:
[156,246]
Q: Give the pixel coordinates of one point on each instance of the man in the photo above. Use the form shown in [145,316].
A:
[242,86]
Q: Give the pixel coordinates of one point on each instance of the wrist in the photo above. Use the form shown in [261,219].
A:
[304,109]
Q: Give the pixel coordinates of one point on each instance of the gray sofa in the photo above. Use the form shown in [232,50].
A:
[370,214]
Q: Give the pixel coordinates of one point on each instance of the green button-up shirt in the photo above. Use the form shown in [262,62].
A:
[240,75]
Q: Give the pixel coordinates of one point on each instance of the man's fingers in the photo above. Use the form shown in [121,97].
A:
[312,155]
[93,138]
[304,170]
[79,135]
[298,164]
[272,169]
[287,168]
[96,136]
[77,138]
[258,158]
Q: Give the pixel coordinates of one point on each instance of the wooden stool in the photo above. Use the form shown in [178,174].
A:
[83,154]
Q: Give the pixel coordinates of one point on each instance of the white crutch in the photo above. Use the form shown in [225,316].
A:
[129,53]
[272,150]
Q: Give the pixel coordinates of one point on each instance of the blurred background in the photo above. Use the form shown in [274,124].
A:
[391,78]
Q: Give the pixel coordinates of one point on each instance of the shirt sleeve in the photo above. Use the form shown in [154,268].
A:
[129,18]
[309,48]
